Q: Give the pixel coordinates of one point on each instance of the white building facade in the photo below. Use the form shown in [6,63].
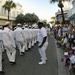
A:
[71,14]
[66,8]
[13,13]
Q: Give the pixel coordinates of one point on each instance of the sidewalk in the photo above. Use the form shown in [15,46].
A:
[62,70]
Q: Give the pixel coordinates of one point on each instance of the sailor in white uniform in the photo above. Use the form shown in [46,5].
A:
[42,42]
[30,38]
[9,43]
[26,31]
[1,49]
[19,38]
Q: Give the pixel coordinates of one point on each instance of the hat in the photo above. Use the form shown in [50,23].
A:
[18,24]
[26,25]
[30,26]
[1,26]
[40,22]
[7,23]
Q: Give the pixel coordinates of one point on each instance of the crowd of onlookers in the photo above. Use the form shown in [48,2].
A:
[65,36]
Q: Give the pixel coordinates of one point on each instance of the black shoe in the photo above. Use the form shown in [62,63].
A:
[12,63]
[22,53]
[29,49]
[2,59]
[1,72]
[26,50]
[32,46]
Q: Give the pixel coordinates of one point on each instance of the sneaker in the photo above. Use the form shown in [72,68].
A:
[41,63]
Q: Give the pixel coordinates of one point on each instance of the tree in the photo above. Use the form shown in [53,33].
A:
[8,6]
[60,4]
[53,17]
[31,18]
[20,19]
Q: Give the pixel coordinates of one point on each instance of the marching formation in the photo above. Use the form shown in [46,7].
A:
[19,38]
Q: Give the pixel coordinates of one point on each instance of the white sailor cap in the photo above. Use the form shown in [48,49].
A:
[73,29]
[7,23]
[26,25]
[1,26]
[15,27]
[29,26]
[18,24]
[40,22]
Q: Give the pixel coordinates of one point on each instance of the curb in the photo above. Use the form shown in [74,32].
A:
[62,70]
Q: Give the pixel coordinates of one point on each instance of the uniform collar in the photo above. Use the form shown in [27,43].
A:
[6,29]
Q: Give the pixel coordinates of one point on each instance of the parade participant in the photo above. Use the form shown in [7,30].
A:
[1,49]
[35,35]
[9,43]
[48,30]
[42,42]
[19,38]
[30,38]
[26,31]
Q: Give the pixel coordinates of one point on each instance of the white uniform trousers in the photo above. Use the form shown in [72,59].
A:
[35,40]
[21,47]
[11,53]
[0,60]
[42,52]
[29,44]
[32,42]
[1,50]
[26,46]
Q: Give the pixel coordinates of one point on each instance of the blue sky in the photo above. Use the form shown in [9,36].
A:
[42,8]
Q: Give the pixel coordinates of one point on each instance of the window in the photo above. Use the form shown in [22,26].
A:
[13,13]
[3,11]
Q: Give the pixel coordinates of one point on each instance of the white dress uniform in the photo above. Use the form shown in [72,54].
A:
[48,30]
[26,33]
[30,38]
[41,34]
[9,44]
[19,38]
[37,34]
[33,35]
[1,49]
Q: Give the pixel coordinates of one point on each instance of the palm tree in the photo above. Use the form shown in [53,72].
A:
[60,4]
[8,6]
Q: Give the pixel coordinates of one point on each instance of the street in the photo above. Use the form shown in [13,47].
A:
[28,64]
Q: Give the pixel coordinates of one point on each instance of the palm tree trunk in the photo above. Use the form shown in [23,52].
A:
[8,15]
[63,19]
[62,13]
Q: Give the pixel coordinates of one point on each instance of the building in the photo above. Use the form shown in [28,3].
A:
[13,13]
[71,14]
[66,8]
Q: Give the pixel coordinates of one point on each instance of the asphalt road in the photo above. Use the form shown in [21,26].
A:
[28,64]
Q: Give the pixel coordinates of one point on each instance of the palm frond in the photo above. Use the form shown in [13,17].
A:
[53,1]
